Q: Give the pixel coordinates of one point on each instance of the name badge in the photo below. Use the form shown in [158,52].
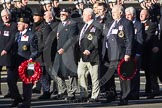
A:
[24,38]
[114,31]
[6,33]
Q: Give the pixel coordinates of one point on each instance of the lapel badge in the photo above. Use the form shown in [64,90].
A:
[121,27]
[90,37]
[24,47]
[121,34]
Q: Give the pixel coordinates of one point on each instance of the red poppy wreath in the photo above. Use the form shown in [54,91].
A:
[127,70]
[23,68]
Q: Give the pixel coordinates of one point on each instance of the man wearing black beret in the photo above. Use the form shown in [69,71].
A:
[62,68]
[25,48]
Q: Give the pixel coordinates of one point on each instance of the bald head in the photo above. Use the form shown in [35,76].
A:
[144,14]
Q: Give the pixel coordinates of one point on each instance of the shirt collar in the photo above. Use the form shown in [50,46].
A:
[23,32]
[144,21]
[134,20]
[118,20]
[90,22]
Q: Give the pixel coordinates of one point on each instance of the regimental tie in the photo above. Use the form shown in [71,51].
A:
[82,32]
[114,24]
[19,37]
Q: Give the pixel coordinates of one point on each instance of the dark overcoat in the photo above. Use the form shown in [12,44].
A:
[64,64]
[7,37]
[41,30]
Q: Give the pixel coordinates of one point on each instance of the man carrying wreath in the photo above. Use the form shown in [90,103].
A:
[25,48]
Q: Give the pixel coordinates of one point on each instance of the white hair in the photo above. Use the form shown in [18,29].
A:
[89,10]
[7,11]
[131,10]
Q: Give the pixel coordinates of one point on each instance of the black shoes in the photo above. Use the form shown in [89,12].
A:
[70,98]
[36,91]
[152,95]
[133,98]
[16,102]
[60,97]
[82,99]
[23,106]
[46,95]
[8,95]
[91,100]
[123,102]
[110,97]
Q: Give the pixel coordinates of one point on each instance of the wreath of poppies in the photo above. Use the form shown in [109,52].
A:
[22,70]
[125,71]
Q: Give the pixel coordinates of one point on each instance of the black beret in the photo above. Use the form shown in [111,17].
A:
[38,12]
[24,20]
[16,0]
[65,10]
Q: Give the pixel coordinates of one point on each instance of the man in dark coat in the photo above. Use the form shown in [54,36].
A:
[117,45]
[130,13]
[64,66]
[42,30]
[7,36]
[50,48]
[150,54]
[25,48]
[88,56]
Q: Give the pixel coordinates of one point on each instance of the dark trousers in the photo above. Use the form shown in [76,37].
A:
[12,82]
[150,68]
[45,80]
[135,82]
[9,69]
[124,84]
[107,81]
[125,88]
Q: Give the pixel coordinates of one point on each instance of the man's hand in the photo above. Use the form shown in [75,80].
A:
[60,51]
[126,58]
[3,52]
[86,52]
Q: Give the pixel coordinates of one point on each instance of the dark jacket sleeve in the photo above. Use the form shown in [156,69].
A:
[129,37]
[34,47]
[139,38]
